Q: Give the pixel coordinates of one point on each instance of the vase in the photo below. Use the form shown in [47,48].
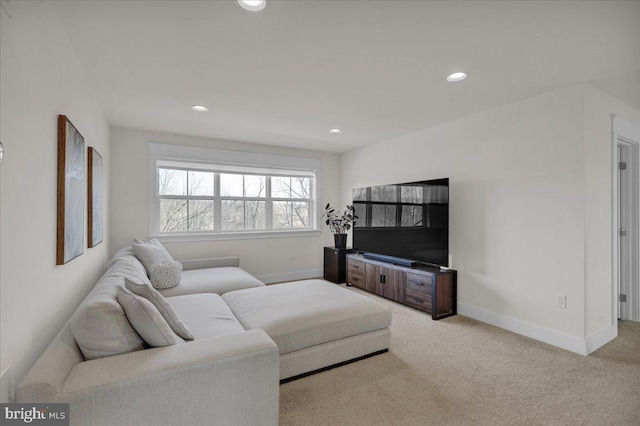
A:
[340,240]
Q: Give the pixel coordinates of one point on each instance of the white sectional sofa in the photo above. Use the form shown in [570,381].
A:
[247,338]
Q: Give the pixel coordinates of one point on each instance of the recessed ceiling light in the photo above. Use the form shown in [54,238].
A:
[252,5]
[199,108]
[457,76]
[335,131]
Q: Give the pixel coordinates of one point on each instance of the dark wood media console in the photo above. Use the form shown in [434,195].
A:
[426,288]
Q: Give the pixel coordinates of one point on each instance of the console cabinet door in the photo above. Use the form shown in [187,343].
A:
[396,286]
[371,278]
[387,276]
[385,282]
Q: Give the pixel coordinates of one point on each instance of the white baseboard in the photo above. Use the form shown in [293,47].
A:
[291,276]
[543,334]
[601,338]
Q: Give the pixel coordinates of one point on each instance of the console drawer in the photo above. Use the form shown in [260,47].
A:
[419,283]
[355,266]
[355,278]
[418,300]
[355,272]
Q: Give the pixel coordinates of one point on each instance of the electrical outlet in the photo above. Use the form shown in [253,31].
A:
[561,301]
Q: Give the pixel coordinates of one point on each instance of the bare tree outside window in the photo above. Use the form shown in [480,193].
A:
[231,185]
[186,200]
[288,213]
[386,193]
[200,215]
[411,198]
[411,215]
[411,194]
[383,216]
[232,215]
[359,194]
[173,215]
[247,209]
[238,215]
[172,182]
[360,210]
[280,187]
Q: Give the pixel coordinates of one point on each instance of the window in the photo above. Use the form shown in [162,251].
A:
[291,201]
[243,201]
[186,200]
[222,199]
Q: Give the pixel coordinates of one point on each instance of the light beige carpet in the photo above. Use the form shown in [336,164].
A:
[458,371]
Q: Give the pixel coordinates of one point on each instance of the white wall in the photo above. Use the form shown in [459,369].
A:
[518,209]
[272,259]
[40,77]
[598,219]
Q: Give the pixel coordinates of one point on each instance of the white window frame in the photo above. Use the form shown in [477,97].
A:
[232,161]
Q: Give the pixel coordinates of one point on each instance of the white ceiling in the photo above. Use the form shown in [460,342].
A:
[375,69]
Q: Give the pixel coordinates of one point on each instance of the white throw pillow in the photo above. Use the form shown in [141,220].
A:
[159,301]
[147,320]
[150,252]
[165,274]
[100,325]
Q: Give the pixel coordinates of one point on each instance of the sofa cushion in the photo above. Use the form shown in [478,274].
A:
[206,315]
[166,310]
[301,314]
[212,280]
[150,252]
[147,320]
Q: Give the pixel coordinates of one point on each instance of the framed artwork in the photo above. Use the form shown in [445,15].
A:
[94,184]
[70,235]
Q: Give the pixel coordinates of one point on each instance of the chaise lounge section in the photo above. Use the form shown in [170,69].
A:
[315,324]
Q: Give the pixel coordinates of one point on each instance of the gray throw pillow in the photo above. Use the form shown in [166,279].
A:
[100,325]
[159,301]
[165,274]
[150,252]
[147,320]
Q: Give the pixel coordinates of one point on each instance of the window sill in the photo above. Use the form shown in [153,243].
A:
[181,238]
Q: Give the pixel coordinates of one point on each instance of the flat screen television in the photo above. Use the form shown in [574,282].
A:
[406,220]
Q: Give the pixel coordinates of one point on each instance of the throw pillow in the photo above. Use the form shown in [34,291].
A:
[100,326]
[165,274]
[150,252]
[159,301]
[147,320]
